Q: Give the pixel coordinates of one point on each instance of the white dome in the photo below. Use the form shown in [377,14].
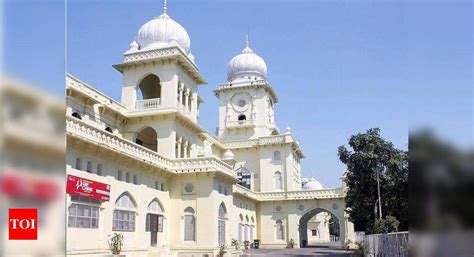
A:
[161,32]
[246,64]
[228,155]
[313,184]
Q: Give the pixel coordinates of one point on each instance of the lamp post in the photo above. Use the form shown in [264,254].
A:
[378,191]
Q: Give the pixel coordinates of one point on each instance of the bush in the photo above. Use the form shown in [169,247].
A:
[246,244]
[235,243]
[387,225]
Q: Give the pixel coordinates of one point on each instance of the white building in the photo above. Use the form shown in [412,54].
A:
[168,185]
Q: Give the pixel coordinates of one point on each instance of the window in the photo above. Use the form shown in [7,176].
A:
[99,169]
[124,214]
[127,177]
[78,164]
[242,117]
[251,233]
[108,129]
[220,189]
[155,206]
[83,216]
[157,185]
[221,224]
[162,186]
[279,230]
[76,115]
[154,221]
[119,175]
[278,181]
[189,224]
[246,232]
[124,220]
[314,232]
[244,176]
[135,179]
[242,103]
[89,167]
[277,156]
[240,232]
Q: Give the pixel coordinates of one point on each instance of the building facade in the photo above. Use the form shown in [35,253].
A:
[166,183]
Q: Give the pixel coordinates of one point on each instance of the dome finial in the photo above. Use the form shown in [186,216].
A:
[247,44]
[165,6]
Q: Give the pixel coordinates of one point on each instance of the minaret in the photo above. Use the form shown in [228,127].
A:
[246,101]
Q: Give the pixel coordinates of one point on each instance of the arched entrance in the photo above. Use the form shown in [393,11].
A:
[147,137]
[320,227]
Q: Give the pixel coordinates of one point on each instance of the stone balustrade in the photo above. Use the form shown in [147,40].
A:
[290,195]
[80,129]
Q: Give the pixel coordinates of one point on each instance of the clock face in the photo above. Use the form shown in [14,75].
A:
[241,102]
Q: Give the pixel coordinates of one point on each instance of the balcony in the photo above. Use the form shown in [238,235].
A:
[148,104]
[240,123]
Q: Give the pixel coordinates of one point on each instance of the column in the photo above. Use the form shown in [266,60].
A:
[186,99]
[178,145]
[185,152]
[179,94]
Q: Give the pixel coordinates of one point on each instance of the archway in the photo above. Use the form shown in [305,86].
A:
[150,88]
[319,227]
[147,137]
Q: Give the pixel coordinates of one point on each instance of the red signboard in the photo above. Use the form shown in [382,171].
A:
[87,187]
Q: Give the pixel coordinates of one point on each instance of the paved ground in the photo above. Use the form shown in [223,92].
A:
[327,250]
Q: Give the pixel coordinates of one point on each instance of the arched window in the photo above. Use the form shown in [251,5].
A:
[221,224]
[150,87]
[277,156]
[244,176]
[279,230]
[278,181]
[241,228]
[76,115]
[108,129]
[242,117]
[155,206]
[124,213]
[147,137]
[246,232]
[154,219]
[189,224]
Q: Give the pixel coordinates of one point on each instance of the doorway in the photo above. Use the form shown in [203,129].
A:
[153,225]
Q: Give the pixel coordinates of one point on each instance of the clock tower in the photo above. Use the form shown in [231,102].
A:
[246,101]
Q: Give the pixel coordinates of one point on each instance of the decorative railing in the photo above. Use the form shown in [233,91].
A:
[237,123]
[290,195]
[148,104]
[245,83]
[157,54]
[80,129]
[201,164]
[279,139]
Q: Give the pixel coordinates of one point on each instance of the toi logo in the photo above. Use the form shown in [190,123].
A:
[22,224]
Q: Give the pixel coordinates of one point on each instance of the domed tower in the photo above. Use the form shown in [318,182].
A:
[159,71]
[246,101]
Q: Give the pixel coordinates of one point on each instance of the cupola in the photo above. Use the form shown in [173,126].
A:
[162,32]
[246,66]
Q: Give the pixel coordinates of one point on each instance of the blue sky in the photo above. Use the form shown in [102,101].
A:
[339,67]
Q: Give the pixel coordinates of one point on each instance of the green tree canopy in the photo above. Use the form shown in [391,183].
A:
[371,153]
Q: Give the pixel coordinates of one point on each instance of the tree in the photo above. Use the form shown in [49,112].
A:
[371,153]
